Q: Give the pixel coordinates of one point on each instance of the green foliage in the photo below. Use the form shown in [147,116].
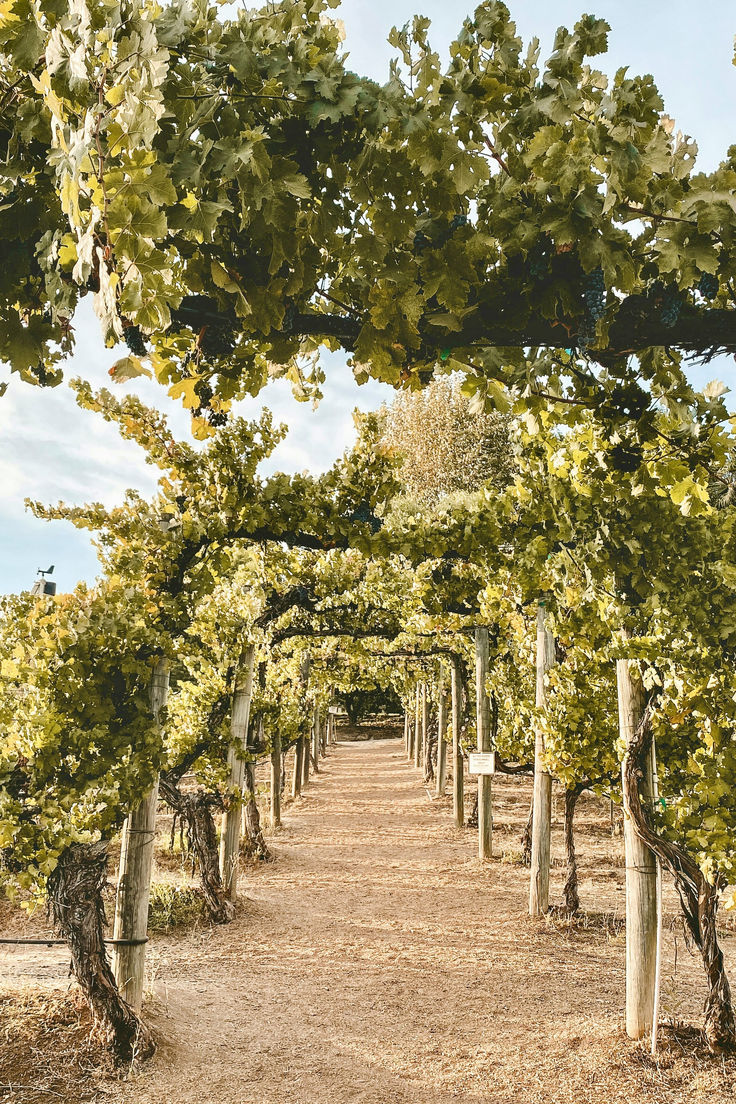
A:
[235,198]
[79,743]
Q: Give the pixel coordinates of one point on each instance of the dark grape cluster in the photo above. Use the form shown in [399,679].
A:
[204,394]
[216,418]
[134,340]
[364,514]
[40,373]
[217,339]
[626,458]
[708,285]
[594,293]
[667,302]
[539,258]
[289,322]
[423,241]
[671,306]
[628,399]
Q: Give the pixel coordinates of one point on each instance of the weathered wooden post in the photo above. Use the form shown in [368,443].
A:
[441,773]
[276,778]
[458,762]
[296,773]
[483,721]
[231,825]
[641,873]
[134,876]
[542,805]
[406,732]
[418,727]
[315,738]
[306,756]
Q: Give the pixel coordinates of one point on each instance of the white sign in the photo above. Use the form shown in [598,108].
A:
[482,762]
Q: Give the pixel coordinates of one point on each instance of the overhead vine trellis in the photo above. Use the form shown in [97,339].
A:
[234,198]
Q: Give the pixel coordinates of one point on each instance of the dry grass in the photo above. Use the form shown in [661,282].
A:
[46,1049]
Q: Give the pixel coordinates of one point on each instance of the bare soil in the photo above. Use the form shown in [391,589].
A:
[378,961]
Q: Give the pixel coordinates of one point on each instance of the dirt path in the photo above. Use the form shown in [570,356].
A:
[377,962]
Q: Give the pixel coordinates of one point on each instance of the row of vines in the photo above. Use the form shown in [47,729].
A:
[532,237]
[233,610]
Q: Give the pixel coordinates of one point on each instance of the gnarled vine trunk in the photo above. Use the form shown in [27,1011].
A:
[699,899]
[570,891]
[526,836]
[429,751]
[77,908]
[195,811]
[254,845]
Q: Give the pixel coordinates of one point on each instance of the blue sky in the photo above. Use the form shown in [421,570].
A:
[50,450]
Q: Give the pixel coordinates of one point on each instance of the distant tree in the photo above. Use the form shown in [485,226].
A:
[446,443]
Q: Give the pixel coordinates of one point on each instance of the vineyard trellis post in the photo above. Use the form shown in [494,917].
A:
[305,757]
[542,802]
[483,720]
[426,765]
[441,745]
[276,777]
[134,877]
[641,873]
[418,726]
[315,737]
[231,826]
[458,762]
[296,772]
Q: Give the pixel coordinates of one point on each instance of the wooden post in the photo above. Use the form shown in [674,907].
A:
[134,876]
[425,723]
[306,754]
[315,738]
[483,721]
[406,732]
[441,772]
[296,774]
[418,727]
[458,762]
[542,806]
[231,824]
[641,875]
[276,779]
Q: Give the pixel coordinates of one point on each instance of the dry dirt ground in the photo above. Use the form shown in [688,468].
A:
[377,961]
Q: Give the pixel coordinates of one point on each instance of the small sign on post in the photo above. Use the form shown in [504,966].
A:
[482,762]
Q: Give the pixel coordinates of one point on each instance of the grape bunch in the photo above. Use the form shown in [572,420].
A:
[594,294]
[457,222]
[539,258]
[669,311]
[204,394]
[708,285]
[289,322]
[39,372]
[216,418]
[134,340]
[364,514]
[217,339]
[626,458]
[421,241]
